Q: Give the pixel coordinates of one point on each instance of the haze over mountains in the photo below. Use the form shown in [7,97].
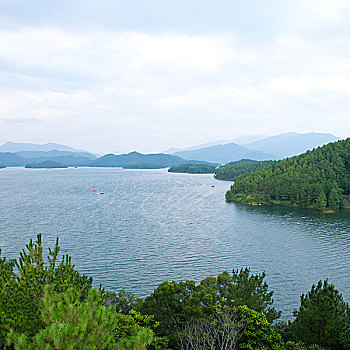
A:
[218,152]
[274,147]
[26,146]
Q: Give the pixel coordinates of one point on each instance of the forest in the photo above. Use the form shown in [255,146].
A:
[231,170]
[193,169]
[45,303]
[318,179]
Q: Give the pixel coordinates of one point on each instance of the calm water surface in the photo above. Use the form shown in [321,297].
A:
[152,226]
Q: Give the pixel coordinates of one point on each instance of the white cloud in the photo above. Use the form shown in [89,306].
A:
[131,88]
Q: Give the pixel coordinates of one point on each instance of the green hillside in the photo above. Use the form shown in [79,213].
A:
[193,169]
[231,170]
[47,164]
[318,179]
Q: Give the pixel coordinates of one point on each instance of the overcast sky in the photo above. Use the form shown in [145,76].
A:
[116,76]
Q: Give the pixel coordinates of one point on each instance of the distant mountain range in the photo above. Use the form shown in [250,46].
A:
[19,147]
[291,144]
[66,158]
[133,158]
[224,154]
[262,148]
[274,147]
[239,141]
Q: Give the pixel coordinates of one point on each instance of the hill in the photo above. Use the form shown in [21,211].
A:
[11,159]
[54,153]
[231,170]
[193,169]
[318,179]
[224,153]
[291,144]
[133,158]
[144,166]
[48,164]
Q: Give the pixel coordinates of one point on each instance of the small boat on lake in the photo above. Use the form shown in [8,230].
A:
[100,192]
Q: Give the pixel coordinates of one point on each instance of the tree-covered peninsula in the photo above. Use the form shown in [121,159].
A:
[318,179]
[193,169]
[231,170]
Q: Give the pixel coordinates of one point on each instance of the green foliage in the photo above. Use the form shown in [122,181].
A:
[193,169]
[174,303]
[298,346]
[139,341]
[231,170]
[258,334]
[317,179]
[21,293]
[123,301]
[323,318]
[71,323]
[242,288]
[132,326]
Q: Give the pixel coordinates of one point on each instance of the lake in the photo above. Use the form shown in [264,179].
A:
[151,226]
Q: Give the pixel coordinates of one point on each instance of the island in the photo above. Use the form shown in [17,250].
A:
[47,164]
[231,170]
[144,166]
[193,169]
[318,179]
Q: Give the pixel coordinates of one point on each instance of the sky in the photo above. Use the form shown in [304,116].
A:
[118,76]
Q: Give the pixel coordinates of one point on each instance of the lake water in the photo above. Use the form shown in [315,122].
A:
[151,226]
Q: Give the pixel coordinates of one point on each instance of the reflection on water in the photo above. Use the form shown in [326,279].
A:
[152,225]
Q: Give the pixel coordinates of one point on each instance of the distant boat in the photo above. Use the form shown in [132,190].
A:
[212,186]
[93,190]
[100,192]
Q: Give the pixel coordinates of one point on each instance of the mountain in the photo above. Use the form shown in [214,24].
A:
[318,179]
[65,157]
[54,153]
[11,159]
[133,158]
[239,141]
[18,147]
[291,144]
[224,154]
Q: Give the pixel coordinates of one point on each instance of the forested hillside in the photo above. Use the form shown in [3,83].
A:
[231,170]
[318,179]
[193,169]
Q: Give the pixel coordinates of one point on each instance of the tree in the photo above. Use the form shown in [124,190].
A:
[258,332]
[220,331]
[323,317]
[174,303]
[71,323]
[242,288]
[21,292]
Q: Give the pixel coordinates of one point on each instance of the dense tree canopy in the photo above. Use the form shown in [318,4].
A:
[323,318]
[174,303]
[318,179]
[231,170]
[193,169]
[49,305]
